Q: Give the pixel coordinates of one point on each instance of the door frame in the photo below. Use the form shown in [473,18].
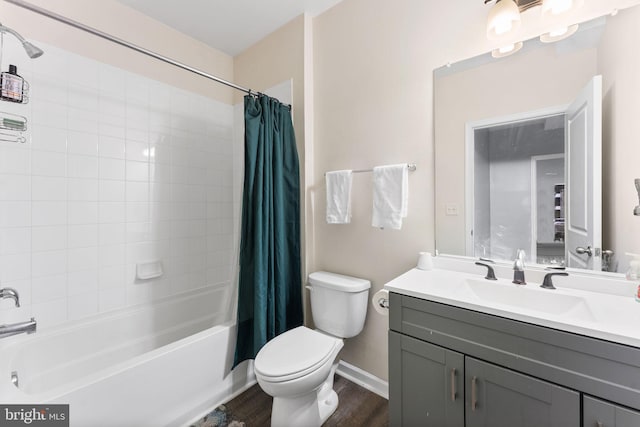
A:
[469,161]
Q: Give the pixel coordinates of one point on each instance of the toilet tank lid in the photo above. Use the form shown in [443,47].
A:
[338,282]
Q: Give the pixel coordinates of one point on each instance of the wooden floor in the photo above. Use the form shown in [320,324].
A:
[358,407]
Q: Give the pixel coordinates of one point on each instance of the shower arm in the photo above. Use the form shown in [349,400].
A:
[4,29]
[31,50]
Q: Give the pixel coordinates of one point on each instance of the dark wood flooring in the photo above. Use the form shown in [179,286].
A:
[358,407]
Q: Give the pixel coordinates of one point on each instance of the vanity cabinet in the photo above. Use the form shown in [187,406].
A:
[430,383]
[505,372]
[598,413]
[498,397]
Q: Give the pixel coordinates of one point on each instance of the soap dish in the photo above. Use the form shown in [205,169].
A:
[149,270]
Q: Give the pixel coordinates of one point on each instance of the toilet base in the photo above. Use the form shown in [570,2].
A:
[308,410]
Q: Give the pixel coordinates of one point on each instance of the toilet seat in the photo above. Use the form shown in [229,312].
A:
[295,354]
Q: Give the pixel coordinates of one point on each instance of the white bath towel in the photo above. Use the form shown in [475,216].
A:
[338,196]
[390,196]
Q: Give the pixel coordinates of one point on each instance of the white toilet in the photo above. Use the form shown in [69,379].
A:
[297,367]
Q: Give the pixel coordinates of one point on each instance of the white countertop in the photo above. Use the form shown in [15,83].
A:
[610,314]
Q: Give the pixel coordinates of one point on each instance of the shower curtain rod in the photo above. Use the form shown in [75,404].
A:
[102,34]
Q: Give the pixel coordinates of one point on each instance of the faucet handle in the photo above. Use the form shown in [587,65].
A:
[11,294]
[491,275]
[547,282]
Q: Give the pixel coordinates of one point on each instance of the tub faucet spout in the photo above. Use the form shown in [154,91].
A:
[10,293]
[28,327]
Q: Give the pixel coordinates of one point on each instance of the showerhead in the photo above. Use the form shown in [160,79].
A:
[32,50]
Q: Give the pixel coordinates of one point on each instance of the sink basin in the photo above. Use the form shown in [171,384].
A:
[528,297]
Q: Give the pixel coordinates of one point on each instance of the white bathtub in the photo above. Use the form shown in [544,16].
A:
[162,364]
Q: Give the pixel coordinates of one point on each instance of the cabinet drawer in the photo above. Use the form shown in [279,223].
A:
[598,413]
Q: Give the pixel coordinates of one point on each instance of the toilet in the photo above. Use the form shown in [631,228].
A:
[298,366]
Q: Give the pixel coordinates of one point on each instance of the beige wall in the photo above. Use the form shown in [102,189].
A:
[373,106]
[531,81]
[123,22]
[363,93]
[620,68]
[373,63]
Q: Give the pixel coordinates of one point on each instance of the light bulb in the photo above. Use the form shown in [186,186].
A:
[558,7]
[506,50]
[503,18]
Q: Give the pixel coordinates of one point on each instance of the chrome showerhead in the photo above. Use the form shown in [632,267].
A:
[32,50]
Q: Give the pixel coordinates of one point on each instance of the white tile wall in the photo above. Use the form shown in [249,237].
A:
[118,169]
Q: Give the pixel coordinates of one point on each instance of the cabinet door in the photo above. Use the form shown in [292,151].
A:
[603,414]
[499,397]
[425,384]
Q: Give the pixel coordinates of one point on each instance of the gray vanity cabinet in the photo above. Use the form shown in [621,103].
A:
[510,373]
[598,413]
[426,384]
[498,397]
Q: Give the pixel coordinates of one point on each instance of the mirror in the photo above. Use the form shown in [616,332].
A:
[487,207]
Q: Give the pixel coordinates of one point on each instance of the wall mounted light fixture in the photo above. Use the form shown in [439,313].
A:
[507,50]
[554,8]
[504,17]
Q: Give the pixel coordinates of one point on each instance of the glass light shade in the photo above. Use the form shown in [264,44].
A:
[558,34]
[559,7]
[501,52]
[504,17]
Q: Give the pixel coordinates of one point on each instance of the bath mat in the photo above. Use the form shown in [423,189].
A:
[219,417]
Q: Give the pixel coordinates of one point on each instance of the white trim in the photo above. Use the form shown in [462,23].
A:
[363,379]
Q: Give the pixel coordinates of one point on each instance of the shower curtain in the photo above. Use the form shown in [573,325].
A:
[269,293]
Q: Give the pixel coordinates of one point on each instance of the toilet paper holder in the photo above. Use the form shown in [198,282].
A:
[383,302]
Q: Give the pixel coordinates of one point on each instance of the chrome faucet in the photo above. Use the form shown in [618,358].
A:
[491,275]
[28,327]
[10,293]
[15,328]
[518,268]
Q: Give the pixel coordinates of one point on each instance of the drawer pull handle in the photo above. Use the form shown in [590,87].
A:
[474,397]
[453,384]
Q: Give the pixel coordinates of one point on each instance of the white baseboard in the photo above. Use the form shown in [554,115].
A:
[363,379]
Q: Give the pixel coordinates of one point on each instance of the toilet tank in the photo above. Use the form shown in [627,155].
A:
[338,303]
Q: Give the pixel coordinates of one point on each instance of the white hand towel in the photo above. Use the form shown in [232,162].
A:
[338,196]
[390,196]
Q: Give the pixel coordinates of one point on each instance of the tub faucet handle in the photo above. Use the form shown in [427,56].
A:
[10,293]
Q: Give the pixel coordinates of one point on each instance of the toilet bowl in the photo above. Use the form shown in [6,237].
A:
[297,367]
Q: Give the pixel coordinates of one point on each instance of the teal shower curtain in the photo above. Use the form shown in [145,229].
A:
[269,293]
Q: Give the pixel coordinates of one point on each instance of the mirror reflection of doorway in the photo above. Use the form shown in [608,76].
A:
[517,166]
[547,218]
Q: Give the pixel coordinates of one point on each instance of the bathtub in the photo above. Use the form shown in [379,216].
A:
[160,364]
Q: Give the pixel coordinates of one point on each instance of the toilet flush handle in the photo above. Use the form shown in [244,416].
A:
[309,288]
